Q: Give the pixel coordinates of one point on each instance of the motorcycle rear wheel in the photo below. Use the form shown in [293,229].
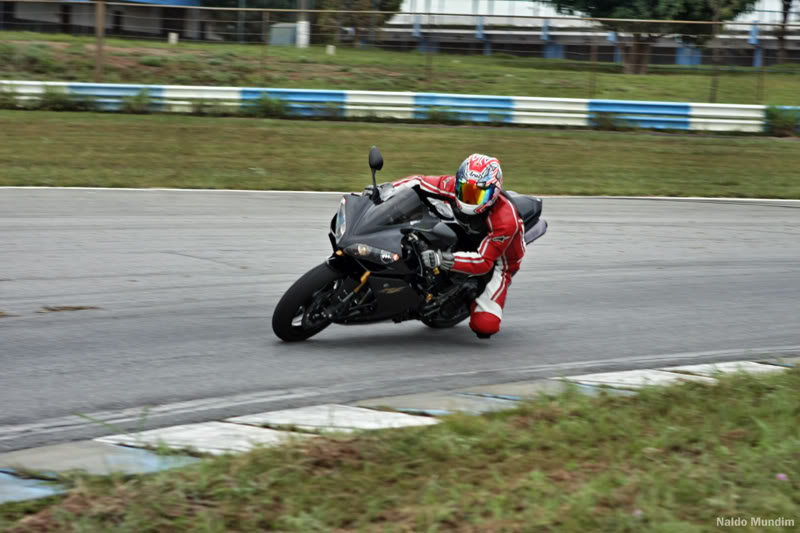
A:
[298,315]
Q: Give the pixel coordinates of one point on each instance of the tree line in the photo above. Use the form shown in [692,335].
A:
[635,38]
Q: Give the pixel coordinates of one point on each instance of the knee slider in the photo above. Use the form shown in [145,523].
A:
[484,323]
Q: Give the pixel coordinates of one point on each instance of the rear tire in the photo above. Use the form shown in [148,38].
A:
[297,316]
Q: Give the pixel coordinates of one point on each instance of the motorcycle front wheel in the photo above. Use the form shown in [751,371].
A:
[299,314]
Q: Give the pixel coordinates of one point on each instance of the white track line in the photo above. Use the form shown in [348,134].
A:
[304,394]
[164,189]
[157,189]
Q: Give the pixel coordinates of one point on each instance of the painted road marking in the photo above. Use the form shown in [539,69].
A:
[216,438]
[635,379]
[333,417]
[710,369]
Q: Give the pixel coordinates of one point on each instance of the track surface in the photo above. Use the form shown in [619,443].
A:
[186,282]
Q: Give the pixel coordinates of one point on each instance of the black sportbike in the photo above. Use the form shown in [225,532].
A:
[375,272]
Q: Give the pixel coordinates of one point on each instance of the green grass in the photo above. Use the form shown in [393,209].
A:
[111,150]
[32,56]
[668,460]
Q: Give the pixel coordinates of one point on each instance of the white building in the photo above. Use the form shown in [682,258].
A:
[143,17]
[509,12]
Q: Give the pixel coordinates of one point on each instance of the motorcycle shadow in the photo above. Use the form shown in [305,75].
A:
[412,338]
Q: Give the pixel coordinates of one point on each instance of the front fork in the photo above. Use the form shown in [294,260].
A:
[344,298]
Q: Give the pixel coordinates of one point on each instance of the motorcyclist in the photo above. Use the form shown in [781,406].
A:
[486,214]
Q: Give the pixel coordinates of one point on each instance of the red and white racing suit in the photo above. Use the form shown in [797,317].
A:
[501,249]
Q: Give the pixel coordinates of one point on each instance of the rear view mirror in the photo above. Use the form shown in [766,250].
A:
[375,159]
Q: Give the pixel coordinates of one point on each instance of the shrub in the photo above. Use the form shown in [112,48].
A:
[206,108]
[58,99]
[138,104]
[222,78]
[6,53]
[266,107]
[499,119]
[35,59]
[8,98]
[76,49]
[609,122]
[782,121]
[327,111]
[152,61]
[440,115]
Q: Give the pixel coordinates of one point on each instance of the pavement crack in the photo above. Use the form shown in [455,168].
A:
[190,256]
[62,308]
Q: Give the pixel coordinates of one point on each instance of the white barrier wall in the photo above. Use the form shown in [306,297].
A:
[421,106]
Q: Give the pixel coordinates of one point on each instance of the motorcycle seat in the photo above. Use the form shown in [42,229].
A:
[528,207]
[530,211]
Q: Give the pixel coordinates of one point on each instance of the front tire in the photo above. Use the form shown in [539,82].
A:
[298,315]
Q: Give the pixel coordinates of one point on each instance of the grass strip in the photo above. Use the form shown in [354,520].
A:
[109,150]
[671,459]
[35,56]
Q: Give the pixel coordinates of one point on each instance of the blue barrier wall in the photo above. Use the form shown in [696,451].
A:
[465,107]
[302,102]
[662,115]
[405,105]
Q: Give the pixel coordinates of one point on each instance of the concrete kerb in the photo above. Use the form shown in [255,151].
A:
[132,453]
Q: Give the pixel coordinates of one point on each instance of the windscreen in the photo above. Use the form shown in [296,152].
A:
[404,206]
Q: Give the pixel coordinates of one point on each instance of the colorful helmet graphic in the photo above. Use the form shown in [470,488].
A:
[478,183]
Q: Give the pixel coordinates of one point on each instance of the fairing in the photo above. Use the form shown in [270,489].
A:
[381,225]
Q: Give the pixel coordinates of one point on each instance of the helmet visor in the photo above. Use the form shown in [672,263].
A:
[468,192]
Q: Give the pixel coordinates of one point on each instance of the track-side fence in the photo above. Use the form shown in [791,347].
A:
[565,112]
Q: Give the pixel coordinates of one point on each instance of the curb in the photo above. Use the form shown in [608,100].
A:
[29,474]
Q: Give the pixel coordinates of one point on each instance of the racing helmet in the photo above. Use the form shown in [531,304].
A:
[478,183]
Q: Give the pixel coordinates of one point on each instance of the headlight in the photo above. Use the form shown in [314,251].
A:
[341,220]
[376,255]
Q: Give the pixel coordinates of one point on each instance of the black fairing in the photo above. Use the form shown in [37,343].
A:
[392,294]
[380,225]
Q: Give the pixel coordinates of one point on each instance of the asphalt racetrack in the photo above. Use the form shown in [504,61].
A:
[183,285]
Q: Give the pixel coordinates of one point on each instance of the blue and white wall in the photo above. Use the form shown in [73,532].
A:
[571,112]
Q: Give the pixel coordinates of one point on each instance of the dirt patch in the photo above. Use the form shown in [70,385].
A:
[44,521]
[121,62]
[61,308]
[326,454]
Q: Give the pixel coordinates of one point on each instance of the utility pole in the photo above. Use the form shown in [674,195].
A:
[373,23]
[99,31]
[303,26]
[240,21]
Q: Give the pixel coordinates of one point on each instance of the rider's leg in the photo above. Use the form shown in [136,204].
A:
[487,310]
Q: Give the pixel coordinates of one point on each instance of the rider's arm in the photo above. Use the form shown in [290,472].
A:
[439,186]
[490,250]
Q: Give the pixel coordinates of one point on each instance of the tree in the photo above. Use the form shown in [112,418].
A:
[786,11]
[232,23]
[325,26]
[636,48]
[362,24]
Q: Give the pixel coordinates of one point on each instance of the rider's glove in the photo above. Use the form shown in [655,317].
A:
[437,259]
